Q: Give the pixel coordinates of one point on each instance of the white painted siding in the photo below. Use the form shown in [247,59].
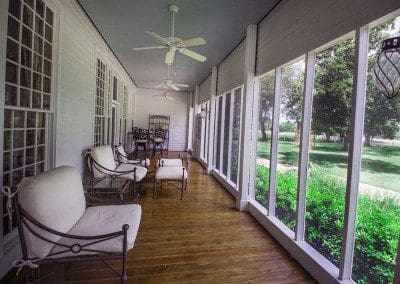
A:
[79,45]
[205,90]
[230,71]
[295,27]
[151,101]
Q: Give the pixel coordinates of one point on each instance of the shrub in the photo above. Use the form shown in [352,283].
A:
[378,224]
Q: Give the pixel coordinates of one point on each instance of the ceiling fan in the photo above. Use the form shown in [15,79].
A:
[167,84]
[174,44]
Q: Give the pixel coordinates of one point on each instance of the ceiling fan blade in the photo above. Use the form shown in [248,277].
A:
[174,87]
[182,85]
[193,42]
[192,54]
[158,37]
[149,47]
[169,58]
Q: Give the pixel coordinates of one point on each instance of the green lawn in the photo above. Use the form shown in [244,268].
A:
[380,164]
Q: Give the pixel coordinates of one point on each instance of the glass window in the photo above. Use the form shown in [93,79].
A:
[378,222]
[227,117]
[25,132]
[115,89]
[99,121]
[237,107]
[288,144]
[329,143]
[266,94]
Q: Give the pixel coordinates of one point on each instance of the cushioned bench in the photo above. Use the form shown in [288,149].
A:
[55,224]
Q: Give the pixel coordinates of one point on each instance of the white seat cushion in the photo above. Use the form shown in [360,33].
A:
[100,220]
[163,173]
[104,156]
[144,163]
[169,163]
[141,172]
[123,155]
[56,200]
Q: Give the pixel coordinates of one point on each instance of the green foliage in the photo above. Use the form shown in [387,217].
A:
[378,224]
[287,126]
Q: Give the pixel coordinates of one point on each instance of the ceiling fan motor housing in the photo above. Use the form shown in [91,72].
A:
[173,9]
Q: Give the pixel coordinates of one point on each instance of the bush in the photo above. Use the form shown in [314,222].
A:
[378,224]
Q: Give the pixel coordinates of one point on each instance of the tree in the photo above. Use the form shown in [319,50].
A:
[333,85]
[265,108]
[292,91]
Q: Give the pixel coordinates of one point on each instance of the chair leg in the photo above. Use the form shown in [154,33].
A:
[124,277]
[154,187]
[26,274]
[183,184]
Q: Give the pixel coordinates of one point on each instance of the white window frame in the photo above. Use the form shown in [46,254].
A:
[316,264]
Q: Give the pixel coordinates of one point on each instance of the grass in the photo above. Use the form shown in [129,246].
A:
[380,163]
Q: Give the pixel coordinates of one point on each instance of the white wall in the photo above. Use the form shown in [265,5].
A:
[79,45]
[151,101]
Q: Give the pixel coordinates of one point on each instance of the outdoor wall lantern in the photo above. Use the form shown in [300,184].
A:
[386,73]
[203,113]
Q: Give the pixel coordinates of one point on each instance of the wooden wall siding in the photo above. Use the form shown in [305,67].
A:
[201,239]
[75,111]
[150,101]
[205,90]
[295,27]
[230,71]
[79,45]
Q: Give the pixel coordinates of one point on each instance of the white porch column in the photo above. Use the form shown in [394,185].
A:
[190,123]
[196,141]
[356,135]
[247,110]
[211,121]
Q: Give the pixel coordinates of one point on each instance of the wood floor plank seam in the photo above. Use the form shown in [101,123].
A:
[200,239]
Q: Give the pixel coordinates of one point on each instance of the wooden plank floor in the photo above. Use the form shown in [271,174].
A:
[201,239]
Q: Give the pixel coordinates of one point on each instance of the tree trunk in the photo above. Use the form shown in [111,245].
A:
[346,143]
[328,138]
[367,142]
[263,133]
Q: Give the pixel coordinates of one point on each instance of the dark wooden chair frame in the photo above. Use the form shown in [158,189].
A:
[158,133]
[24,221]
[141,134]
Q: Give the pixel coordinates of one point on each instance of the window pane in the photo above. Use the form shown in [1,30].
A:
[378,222]
[266,94]
[329,142]
[14,7]
[13,28]
[12,50]
[237,106]
[226,133]
[28,16]
[11,72]
[288,147]
[11,95]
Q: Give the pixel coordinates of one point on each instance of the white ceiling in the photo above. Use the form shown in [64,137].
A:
[222,23]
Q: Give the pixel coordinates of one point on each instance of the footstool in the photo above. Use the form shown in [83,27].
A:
[175,174]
